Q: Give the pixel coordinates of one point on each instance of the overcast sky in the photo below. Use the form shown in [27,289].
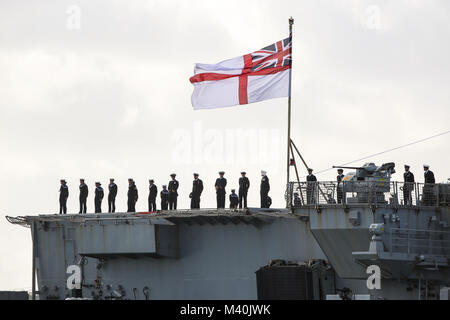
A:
[100,89]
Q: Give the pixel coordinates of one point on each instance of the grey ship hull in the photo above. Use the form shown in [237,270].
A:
[210,254]
[178,255]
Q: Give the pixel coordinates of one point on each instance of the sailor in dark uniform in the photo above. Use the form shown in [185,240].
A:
[428,174]
[428,188]
[153,192]
[197,189]
[98,197]
[164,197]
[234,199]
[132,196]
[408,186]
[311,187]
[173,193]
[220,185]
[84,191]
[112,187]
[63,195]
[244,185]
[339,192]
[297,200]
[264,190]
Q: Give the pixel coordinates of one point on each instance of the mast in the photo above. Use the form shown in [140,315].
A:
[33,275]
[291,22]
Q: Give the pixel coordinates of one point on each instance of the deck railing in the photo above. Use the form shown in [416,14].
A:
[414,241]
[366,192]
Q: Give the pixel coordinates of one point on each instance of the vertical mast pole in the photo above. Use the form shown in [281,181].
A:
[33,275]
[291,22]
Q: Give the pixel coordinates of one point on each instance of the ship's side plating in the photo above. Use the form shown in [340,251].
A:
[194,255]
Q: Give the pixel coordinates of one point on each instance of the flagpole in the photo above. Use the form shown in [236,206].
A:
[291,22]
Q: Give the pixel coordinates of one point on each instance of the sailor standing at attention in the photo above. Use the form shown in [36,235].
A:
[98,197]
[153,192]
[311,181]
[220,185]
[63,195]
[428,194]
[132,196]
[264,190]
[173,193]
[428,174]
[112,195]
[197,189]
[339,178]
[244,185]
[408,185]
[84,191]
[164,197]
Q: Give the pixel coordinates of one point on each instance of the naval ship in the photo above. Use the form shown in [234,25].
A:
[365,237]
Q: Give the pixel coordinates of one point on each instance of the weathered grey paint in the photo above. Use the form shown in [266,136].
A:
[178,256]
[214,255]
[338,237]
[406,264]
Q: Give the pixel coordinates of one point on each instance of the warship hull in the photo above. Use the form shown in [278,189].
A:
[371,245]
[198,254]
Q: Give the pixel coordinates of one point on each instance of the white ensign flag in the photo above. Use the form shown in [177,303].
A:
[261,75]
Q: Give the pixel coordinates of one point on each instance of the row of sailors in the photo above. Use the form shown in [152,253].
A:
[168,195]
[408,187]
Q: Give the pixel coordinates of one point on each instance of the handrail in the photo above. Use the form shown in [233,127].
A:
[367,192]
[425,243]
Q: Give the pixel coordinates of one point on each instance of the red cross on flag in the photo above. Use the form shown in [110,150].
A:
[261,75]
